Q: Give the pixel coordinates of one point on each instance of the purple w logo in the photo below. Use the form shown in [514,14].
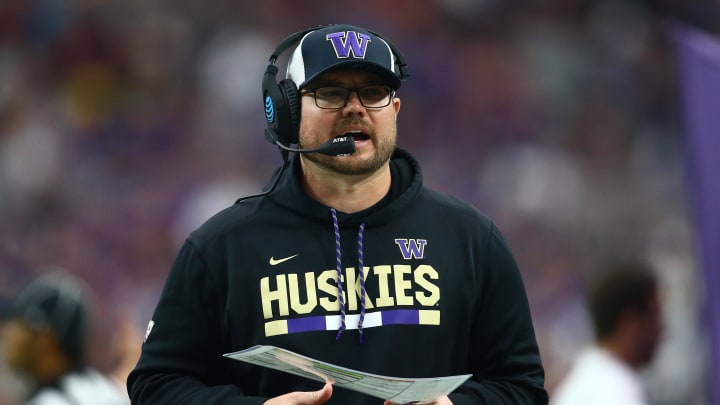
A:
[350,42]
[411,248]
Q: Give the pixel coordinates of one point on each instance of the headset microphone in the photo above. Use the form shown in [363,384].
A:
[341,146]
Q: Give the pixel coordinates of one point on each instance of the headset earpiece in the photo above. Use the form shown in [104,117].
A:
[282,109]
[282,100]
[290,127]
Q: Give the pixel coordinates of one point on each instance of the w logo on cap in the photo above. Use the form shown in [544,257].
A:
[349,42]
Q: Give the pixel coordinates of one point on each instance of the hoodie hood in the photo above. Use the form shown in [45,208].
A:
[406,187]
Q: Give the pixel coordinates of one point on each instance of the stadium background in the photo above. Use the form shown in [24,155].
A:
[125,123]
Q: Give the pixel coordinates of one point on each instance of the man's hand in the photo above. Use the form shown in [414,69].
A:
[303,397]
[444,400]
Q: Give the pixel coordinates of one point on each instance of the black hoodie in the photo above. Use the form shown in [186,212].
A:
[443,296]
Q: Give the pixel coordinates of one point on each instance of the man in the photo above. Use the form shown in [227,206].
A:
[345,257]
[624,307]
[45,342]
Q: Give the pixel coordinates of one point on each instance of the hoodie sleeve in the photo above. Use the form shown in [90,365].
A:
[505,359]
[181,359]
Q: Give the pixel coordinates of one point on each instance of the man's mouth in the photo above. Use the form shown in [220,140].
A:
[356,134]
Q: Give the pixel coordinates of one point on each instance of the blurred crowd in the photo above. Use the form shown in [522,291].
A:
[124,124]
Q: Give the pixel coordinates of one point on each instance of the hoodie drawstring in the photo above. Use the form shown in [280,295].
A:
[338,268]
[361,269]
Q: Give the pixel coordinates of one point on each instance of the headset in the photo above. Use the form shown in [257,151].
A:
[282,101]
[282,108]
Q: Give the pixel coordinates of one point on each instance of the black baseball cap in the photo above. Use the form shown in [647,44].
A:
[344,46]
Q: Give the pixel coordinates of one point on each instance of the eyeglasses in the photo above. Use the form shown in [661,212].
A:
[332,98]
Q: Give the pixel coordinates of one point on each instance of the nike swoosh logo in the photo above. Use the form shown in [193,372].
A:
[275,262]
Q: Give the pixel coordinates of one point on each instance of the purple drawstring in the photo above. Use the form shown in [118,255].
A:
[338,268]
[338,265]
[361,269]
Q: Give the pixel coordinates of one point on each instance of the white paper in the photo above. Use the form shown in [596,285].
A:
[395,389]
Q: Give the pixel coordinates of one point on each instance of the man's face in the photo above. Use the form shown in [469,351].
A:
[651,330]
[374,129]
[19,343]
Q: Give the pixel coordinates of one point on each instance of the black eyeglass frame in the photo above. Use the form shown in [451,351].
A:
[350,90]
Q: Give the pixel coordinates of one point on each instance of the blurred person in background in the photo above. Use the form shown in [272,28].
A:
[346,257]
[624,305]
[45,342]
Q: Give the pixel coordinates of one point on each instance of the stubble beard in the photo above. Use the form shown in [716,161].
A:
[349,165]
